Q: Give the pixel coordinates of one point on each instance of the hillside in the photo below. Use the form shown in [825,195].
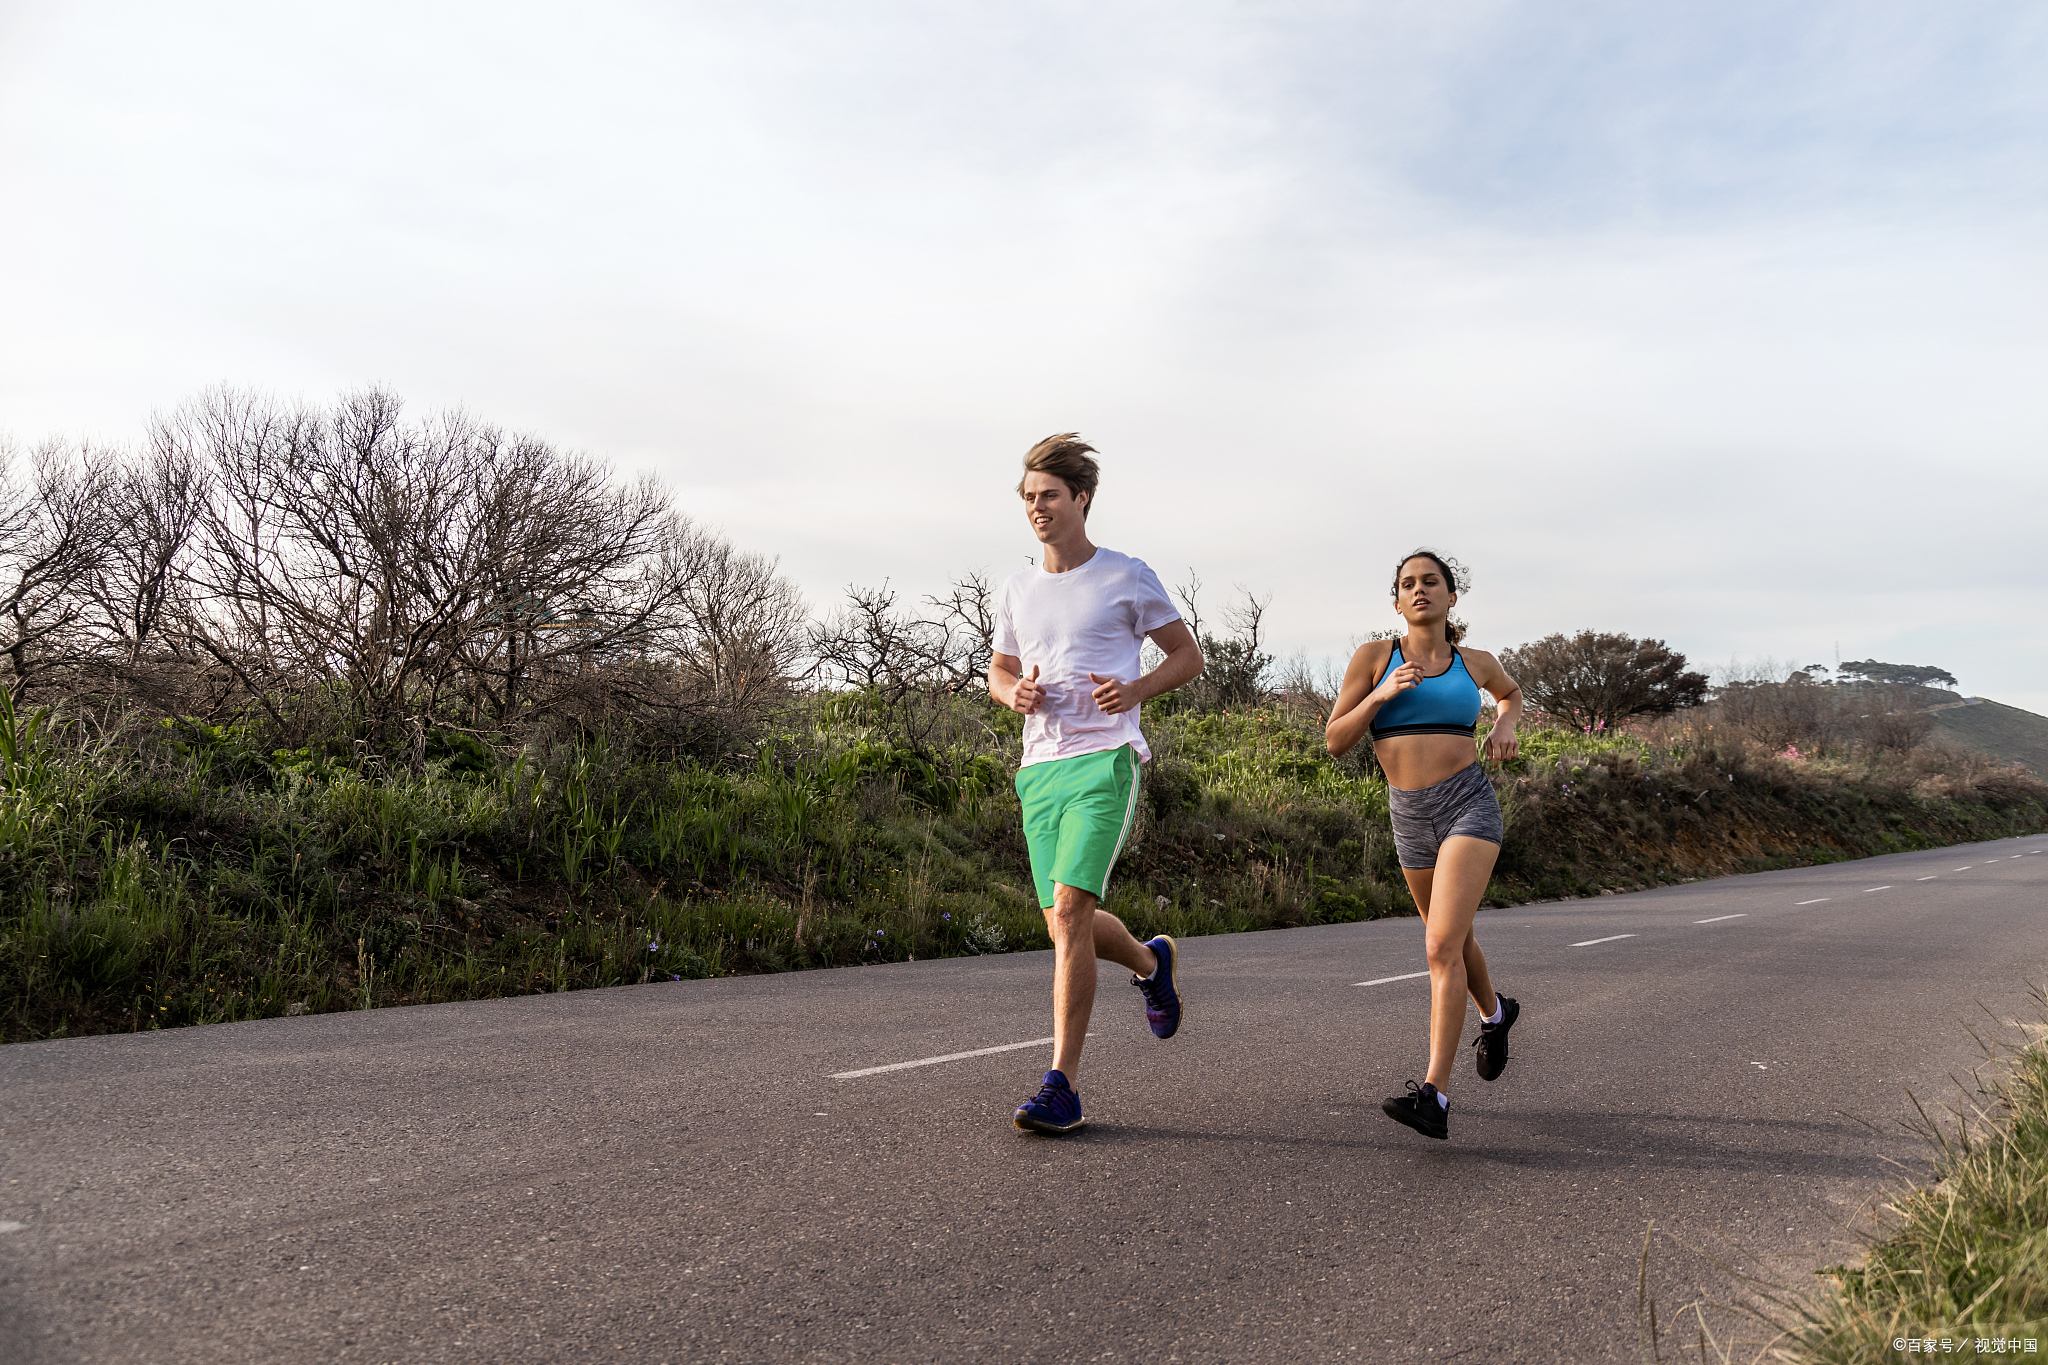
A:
[180,874]
[1992,728]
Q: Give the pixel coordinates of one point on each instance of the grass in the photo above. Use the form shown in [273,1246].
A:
[2004,732]
[1967,1257]
[1961,1263]
[162,873]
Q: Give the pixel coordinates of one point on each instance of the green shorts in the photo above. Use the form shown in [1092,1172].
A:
[1078,814]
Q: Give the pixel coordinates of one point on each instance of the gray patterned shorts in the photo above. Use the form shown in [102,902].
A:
[1462,803]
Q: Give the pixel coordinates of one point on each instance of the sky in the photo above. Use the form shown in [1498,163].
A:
[1724,323]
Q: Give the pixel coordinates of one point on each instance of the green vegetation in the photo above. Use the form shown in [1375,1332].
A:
[1965,1258]
[2006,733]
[1694,796]
[157,873]
[315,707]
[1957,1268]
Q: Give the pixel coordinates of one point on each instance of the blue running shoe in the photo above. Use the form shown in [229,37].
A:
[1162,996]
[1055,1109]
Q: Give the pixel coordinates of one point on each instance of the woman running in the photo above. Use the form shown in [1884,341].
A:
[1418,696]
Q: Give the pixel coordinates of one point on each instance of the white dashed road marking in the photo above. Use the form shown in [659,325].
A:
[1815,901]
[1868,889]
[1383,980]
[1965,868]
[934,1061]
[1718,918]
[1609,939]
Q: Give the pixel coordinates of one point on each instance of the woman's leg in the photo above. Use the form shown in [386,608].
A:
[1448,899]
[1478,982]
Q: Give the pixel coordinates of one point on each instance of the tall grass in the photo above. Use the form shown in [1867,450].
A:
[1965,1259]
[164,873]
[1961,1263]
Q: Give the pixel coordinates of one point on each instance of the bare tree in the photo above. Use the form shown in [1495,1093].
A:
[53,532]
[154,506]
[444,564]
[1236,669]
[738,635]
[575,571]
[1897,720]
[964,631]
[909,666]
[391,575]
[871,644]
[1190,595]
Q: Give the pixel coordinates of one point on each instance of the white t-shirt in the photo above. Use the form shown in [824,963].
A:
[1091,619]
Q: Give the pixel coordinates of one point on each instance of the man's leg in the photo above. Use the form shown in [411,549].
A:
[1081,933]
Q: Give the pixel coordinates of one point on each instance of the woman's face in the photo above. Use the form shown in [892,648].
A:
[1420,593]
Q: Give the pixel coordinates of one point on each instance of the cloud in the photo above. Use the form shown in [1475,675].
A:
[1718,323]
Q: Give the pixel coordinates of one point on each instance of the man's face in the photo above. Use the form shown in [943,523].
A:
[1053,512]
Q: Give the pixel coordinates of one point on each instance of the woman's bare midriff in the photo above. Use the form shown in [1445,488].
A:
[1412,762]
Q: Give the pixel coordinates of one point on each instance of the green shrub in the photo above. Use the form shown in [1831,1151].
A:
[183,873]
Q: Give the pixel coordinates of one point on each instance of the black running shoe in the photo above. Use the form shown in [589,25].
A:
[1419,1110]
[1492,1043]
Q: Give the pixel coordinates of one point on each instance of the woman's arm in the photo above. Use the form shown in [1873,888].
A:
[1358,701]
[1502,744]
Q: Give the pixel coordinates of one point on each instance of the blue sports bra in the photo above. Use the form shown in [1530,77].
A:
[1447,704]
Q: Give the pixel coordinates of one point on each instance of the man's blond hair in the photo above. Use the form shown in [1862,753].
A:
[1069,459]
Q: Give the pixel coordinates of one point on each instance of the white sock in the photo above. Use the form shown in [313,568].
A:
[1499,1009]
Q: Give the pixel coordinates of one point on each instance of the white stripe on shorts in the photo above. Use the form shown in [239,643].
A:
[1123,835]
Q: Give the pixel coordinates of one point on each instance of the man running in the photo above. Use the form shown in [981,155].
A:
[1068,638]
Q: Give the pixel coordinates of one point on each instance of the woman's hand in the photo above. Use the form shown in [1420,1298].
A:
[1395,683]
[1502,745]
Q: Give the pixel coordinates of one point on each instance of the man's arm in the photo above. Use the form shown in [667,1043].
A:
[1007,685]
[1182,665]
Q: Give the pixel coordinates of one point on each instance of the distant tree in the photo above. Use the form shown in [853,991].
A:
[1594,680]
[1896,675]
[1235,668]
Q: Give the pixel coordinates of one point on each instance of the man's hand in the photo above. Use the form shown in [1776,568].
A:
[1111,695]
[1028,693]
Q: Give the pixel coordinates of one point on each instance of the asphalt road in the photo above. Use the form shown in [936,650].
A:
[672,1173]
